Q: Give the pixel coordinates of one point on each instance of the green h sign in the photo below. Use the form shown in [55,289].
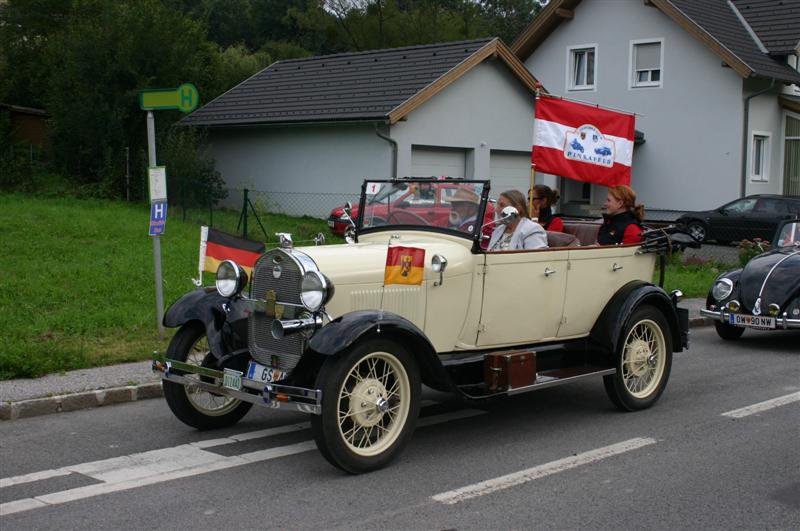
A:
[184,98]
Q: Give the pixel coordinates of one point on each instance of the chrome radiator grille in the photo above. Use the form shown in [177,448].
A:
[281,353]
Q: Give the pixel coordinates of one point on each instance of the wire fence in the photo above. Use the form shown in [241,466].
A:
[260,214]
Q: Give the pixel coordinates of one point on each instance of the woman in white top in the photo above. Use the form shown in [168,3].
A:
[521,233]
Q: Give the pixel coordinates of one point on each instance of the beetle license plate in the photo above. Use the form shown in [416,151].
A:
[262,373]
[330,223]
[752,321]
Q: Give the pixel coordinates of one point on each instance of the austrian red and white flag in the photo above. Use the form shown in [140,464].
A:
[582,142]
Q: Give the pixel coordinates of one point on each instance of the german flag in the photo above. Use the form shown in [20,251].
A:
[404,265]
[216,246]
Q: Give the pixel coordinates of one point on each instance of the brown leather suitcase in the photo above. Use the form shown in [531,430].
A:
[509,369]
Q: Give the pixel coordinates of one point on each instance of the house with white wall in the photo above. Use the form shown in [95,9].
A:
[321,125]
[714,85]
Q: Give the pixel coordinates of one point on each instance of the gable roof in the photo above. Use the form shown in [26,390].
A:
[777,24]
[379,85]
[715,23]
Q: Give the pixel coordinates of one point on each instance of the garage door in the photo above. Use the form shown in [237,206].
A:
[434,161]
[510,170]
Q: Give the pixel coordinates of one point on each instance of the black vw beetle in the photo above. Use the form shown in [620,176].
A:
[765,293]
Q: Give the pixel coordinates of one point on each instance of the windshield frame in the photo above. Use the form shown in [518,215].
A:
[409,181]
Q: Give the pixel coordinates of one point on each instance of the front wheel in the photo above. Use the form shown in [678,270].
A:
[728,332]
[643,362]
[370,404]
[190,403]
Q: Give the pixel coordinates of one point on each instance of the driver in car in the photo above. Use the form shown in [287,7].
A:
[464,210]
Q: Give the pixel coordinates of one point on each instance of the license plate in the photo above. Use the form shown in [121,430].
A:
[330,223]
[752,321]
[232,379]
[262,373]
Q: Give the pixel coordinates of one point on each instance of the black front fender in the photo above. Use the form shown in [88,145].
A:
[341,333]
[609,326]
[225,319]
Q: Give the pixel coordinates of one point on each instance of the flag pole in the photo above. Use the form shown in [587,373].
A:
[530,195]
[538,94]
[202,262]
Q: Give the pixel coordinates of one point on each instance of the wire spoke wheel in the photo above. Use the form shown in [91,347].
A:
[373,403]
[644,361]
[643,358]
[369,407]
[191,403]
[210,404]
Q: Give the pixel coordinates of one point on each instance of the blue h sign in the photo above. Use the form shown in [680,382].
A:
[158,218]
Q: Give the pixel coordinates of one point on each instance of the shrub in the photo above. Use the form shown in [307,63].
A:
[750,248]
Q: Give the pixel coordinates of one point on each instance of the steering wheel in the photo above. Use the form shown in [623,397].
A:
[396,216]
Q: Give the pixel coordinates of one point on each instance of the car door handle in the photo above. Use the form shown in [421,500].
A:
[616,267]
[548,271]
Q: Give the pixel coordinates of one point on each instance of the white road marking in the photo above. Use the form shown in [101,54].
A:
[524,476]
[156,466]
[762,406]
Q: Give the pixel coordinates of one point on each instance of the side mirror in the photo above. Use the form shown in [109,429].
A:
[350,234]
[508,215]
[348,210]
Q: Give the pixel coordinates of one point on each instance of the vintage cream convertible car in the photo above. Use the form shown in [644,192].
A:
[348,336]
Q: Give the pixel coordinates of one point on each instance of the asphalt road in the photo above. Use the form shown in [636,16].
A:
[559,458]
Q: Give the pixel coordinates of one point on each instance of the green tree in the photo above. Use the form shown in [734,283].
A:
[508,18]
[107,52]
[26,29]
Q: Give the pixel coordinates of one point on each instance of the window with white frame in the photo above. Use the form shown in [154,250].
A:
[646,62]
[759,157]
[581,67]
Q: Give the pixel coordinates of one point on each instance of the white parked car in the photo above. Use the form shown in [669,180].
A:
[328,331]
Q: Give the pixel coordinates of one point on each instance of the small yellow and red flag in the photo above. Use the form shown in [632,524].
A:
[404,265]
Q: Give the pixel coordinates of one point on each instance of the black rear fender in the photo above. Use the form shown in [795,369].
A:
[345,331]
[611,323]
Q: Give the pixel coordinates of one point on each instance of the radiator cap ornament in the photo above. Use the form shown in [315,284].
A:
[285,239]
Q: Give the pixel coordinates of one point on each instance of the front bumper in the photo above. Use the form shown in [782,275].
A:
[723,316]
[270,395]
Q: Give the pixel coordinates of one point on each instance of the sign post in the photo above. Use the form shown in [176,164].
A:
[184,98]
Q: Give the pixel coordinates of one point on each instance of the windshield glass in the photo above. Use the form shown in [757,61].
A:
[789,235]
[447,204]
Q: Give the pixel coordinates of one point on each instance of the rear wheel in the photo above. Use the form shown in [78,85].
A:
[370,403]
[643,362]
[190,403]
[728,332]
[697,230]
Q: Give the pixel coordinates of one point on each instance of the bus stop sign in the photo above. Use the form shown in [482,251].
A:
[184,98]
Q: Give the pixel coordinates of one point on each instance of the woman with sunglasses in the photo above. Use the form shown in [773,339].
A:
[543,198]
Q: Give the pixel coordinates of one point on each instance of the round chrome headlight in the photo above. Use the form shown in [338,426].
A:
[230,278]
[722,289]
[315,290]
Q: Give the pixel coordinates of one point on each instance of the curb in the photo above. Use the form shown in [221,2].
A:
[35,407]
[76,401]
[694,322]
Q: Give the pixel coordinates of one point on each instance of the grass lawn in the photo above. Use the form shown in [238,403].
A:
[78,283]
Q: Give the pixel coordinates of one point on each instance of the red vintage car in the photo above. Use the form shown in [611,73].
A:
[418,204]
